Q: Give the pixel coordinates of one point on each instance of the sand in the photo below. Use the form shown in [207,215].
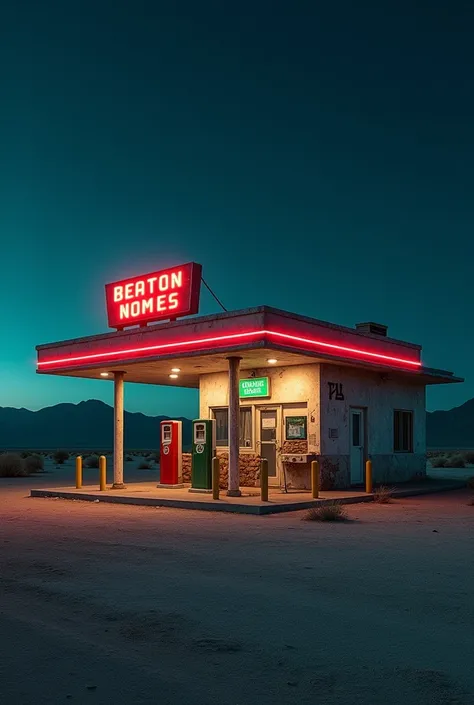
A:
[119,605]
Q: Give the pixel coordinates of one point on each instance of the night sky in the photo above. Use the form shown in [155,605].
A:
[316,157]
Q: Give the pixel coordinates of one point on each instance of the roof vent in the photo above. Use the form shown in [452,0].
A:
[373,328]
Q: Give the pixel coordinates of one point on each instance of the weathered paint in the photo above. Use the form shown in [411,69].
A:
[304,389]
[380,394]
[297,385]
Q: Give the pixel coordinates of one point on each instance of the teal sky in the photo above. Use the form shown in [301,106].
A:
[317,159]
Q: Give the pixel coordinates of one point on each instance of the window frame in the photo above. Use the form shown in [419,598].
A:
[400,414]
[246,408]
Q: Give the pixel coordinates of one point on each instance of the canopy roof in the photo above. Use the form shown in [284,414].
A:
[202,344]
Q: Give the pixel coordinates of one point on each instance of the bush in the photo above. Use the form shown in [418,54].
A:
[128,458]
[12,465]
[455,461]
[469,457]
[438,462]
[144,466]
[327,512]
[33,463]
[92,461]
[60,456]
[383,495]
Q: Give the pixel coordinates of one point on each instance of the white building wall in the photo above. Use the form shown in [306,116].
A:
[380,394]
[306,388]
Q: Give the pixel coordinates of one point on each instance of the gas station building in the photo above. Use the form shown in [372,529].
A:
[279,385]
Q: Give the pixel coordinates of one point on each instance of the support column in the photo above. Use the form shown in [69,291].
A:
[118,431]
[234,427]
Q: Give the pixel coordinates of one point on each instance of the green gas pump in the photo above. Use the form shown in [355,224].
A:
[204,449]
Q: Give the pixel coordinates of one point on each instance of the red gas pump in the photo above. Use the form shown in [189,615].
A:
[171,463]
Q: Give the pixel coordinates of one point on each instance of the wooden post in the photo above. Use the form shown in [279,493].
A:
[118,431]
[234,428]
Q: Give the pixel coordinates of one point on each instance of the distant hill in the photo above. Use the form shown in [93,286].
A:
[451,429]
[87,425]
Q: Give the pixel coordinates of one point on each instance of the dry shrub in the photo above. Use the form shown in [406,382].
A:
[12,465]
[455,461]
[60,456]
[469,457]
[144,466]
[326,512]
[383,494]
[92,461]
[128,458]
[438,462]
[33,463]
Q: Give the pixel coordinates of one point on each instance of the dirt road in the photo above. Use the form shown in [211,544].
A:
[118,605]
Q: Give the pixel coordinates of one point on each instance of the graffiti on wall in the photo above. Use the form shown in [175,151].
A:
[335,391]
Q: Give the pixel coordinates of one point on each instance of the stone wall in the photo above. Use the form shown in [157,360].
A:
[296,447]
[249,469]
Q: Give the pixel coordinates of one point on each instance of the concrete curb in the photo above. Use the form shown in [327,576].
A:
[234,508]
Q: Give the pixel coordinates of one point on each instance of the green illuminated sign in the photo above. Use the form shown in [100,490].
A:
[255,387]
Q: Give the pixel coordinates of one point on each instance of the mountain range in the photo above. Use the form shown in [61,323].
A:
[89,425]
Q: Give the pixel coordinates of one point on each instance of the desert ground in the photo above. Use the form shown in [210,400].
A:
[123,605]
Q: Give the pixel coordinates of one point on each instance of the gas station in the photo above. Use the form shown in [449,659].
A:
[272,384]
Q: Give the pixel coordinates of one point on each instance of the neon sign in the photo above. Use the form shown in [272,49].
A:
[166,294]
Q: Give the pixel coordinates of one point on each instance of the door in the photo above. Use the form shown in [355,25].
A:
[268,440]
[357,452]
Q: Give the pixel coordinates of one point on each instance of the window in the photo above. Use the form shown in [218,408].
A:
[356,439]
[199,433]
[222,427]
[403,431]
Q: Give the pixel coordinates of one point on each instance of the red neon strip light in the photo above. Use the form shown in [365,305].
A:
[234,336]
[319,343]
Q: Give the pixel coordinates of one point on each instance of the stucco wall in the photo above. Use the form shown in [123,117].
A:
[288,385]
[296,390]
[379,395]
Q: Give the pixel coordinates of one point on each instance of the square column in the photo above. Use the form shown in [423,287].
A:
[118,431]
[234,427]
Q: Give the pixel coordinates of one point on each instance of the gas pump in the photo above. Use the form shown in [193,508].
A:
[171,464]
[204,449]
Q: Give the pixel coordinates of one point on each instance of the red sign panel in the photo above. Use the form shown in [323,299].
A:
[168,293]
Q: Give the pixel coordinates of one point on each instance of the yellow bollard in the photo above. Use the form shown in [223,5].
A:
[315,479]
[79,472]
[368,477]
[216,477]
[264,479]
[102,473]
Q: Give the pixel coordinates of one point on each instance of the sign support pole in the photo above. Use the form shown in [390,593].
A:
[234,428]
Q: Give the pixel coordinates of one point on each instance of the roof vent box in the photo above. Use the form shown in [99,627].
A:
[373,328]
